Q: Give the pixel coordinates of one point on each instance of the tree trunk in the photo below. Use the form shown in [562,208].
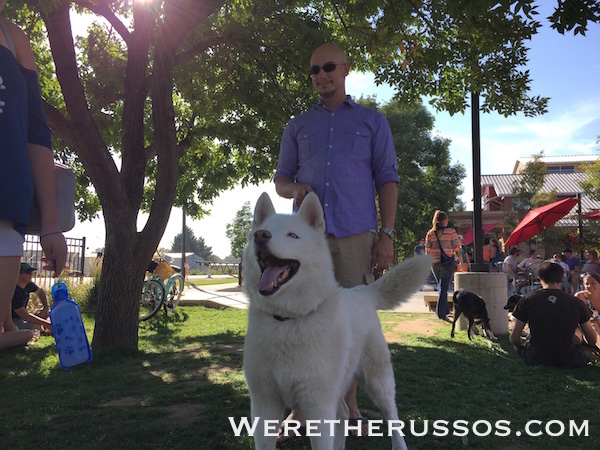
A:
[123,270]
[127,251]
[119,297]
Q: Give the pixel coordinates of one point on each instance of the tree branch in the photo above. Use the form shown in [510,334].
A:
[60,125]
[135,95]
[82,131]
[193,51]
[102,8]
[182,17]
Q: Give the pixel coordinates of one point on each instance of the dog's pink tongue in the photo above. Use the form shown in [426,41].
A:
[269,278]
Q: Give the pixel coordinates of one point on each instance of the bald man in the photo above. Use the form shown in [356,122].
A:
[345,154]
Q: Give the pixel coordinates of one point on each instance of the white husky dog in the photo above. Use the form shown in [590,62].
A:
[308,337]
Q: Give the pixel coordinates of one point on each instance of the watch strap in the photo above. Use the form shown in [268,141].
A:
[389,231]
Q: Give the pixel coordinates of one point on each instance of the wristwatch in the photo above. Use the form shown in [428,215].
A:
[389,231]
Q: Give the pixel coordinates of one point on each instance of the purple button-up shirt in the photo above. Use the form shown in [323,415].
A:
[345,155]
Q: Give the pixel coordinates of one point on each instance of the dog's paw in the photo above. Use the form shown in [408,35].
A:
[490,335]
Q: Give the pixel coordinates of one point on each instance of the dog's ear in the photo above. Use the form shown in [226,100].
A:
[264,208]
[311,211]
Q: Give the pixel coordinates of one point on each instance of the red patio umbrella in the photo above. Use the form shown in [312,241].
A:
[592,215]
[468,235]
[538,219]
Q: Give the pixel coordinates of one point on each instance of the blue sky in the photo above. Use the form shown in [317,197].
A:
[565,68]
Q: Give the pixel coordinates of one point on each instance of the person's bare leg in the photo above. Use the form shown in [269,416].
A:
[10,336]
[293,415]
[575,282]
[352,403]
[350,399]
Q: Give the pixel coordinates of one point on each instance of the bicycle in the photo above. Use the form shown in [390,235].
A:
[162,288]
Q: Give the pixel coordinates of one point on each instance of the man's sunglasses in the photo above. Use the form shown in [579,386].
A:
[329,67]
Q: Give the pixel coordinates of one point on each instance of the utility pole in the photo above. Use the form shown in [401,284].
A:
[479,265]
[183,244]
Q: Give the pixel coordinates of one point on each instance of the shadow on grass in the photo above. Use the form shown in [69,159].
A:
[178,398]
[457,380]
[181,387]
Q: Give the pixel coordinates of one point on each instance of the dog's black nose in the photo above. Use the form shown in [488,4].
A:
[262,236]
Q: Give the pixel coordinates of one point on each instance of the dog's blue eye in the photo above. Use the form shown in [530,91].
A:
[293,236]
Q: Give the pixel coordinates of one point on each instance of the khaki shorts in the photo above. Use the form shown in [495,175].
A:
[352,258]
[11,242]
[22,324]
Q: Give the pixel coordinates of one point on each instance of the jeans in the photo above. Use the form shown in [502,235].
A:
[578,358]
[444,277]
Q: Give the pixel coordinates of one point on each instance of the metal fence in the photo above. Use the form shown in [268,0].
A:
[74,269]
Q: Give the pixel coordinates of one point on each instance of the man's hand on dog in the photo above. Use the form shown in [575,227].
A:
[299,192]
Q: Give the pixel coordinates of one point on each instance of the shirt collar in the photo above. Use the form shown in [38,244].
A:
[348,102]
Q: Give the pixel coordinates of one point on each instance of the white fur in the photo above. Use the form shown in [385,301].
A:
[331,334]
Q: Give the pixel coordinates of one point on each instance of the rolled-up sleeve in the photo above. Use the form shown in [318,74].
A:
[385,168]
[287,164]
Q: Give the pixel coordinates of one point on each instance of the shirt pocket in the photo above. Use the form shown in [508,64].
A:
[307,145]
[359,142]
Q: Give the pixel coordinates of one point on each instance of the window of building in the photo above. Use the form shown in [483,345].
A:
[560,169]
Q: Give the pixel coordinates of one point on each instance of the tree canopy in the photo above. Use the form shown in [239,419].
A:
[591,184]
[428,180]
[528,189]
[192,244]
[238,229]
[168,102]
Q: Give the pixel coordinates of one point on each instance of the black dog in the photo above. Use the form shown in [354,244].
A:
[511,304]
[473,307]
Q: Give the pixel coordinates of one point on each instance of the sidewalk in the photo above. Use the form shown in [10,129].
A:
[233,296]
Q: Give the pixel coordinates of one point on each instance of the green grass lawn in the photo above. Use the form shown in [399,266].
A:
[179,389]
[211,281]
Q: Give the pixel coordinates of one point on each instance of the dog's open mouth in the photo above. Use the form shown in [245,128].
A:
[275,272]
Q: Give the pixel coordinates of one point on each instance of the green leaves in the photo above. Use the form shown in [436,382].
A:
[591,184]
[428,181]
[450,49]
[193,244]
[238,229]
[575,15]
[527,189]
[237,82]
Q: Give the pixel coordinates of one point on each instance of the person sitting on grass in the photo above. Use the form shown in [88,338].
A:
[591,297]
[22,319]
[553,317]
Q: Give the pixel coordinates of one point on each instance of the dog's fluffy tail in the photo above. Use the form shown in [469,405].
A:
[401,282]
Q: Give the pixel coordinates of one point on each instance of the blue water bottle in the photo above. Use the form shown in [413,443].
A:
[68,330]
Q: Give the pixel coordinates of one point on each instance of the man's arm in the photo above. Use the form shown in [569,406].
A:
[515,335]
[44,313]
[23,314]
[590,334]
[388,201]
[383,252]
[287,188]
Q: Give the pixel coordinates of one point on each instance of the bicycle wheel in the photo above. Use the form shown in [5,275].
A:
[174,290]
[153,295]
